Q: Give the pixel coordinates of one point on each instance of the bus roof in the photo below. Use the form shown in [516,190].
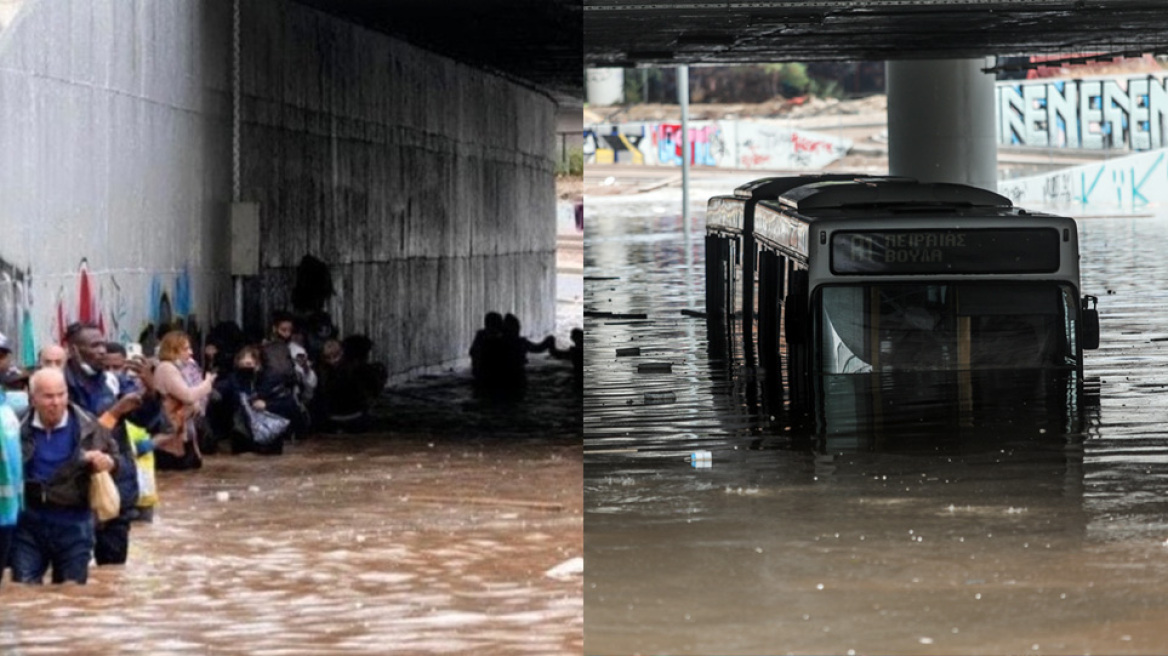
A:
[871,194]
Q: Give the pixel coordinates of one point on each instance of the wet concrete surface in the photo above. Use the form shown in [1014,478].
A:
[1024,538]
[439,533]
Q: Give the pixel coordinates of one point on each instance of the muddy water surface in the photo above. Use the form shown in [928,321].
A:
[430,538]
[1025,538]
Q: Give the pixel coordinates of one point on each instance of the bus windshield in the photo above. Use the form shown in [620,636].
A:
[897,326]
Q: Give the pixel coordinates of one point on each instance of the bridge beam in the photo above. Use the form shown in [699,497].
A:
[941,122]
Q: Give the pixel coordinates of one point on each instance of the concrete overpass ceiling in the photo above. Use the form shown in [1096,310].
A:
[627,33]
[538,41]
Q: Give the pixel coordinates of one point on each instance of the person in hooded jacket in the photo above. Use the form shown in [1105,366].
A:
[11,466]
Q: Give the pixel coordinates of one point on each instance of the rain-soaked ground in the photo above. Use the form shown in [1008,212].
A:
[1021,537]
[455,528]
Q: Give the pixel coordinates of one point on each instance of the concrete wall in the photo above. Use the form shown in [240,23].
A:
[114,183]
[427,186]
[1121,185]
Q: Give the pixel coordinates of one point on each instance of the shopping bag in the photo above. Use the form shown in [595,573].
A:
[266,427]
[147,485]
[103,496]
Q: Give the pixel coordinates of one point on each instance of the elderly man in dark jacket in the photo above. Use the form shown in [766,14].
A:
[62,446]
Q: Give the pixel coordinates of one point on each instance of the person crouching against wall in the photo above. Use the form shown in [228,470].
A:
[244,382]
[62,446]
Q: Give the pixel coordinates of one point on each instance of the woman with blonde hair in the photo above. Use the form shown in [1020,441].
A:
[180,401]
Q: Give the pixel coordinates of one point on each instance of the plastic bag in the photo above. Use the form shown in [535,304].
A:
[266,427]
[147,485]
[103,496]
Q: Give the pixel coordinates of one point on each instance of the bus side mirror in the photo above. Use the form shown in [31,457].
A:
[1090,323]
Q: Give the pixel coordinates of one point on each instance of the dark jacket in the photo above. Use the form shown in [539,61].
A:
[93,395]
[89,392]
[224,404]
[69,485]
[278,370]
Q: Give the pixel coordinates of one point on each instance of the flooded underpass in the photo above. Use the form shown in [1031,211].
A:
[453,529]
[1042,530]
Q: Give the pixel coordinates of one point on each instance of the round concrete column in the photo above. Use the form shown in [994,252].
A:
[605,86]
[941,122]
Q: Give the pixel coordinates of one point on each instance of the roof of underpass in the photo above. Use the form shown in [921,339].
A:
[548,42]
[537,41]
[667,32]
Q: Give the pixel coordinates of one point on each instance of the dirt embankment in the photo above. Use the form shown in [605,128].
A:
[569,187]
[783,108]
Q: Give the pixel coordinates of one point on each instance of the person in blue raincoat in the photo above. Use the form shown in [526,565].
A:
[11,462]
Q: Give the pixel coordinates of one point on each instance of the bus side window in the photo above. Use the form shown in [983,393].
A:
[795,309]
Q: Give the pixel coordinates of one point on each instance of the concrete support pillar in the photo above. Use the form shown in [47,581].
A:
[941,122]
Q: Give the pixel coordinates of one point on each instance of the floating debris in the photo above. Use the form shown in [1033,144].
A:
[627,351]
[701,459]
[567,569]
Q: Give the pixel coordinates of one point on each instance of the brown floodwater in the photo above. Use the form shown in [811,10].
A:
[434,536]
[1021,537]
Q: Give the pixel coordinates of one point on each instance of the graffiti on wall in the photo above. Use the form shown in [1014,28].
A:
[707,147]
[617,145]
[100,299]
[87,309]
[733,144]
[1097,113]
[1124,183]
[767,146]
[16,312]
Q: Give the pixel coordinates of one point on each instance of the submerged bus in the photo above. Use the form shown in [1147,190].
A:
[873,296]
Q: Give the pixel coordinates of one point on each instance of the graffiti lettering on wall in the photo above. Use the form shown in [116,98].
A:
[101,299]
[1103,113]
[707,148]
[763,145]
[734,144]
[1125,183]
[170,309]
[104,301]
[618,145]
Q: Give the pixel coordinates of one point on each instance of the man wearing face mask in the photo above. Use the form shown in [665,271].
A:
[100,393]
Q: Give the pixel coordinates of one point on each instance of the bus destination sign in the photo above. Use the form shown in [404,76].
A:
[895,252]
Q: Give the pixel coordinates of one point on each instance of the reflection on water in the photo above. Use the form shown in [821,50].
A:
[408,542]
[1034,524]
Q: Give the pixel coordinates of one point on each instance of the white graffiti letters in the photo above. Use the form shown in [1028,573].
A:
[1109,113]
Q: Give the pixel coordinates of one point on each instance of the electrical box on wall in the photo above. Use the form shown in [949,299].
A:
[245,239]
